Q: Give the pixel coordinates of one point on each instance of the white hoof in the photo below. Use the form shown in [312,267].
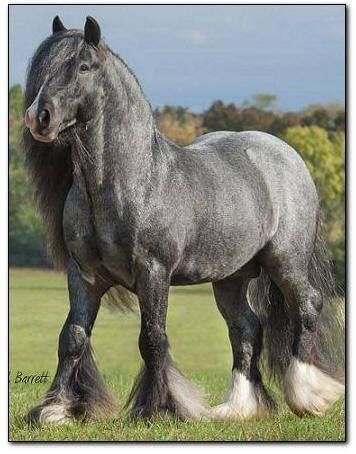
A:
[243,401]
[308,390]
[56,414]
[226,411]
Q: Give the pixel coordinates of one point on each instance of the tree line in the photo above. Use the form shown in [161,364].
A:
[317,133]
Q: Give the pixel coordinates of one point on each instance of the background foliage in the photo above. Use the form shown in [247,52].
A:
[317,133]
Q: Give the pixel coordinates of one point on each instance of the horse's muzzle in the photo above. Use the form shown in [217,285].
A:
[41,125]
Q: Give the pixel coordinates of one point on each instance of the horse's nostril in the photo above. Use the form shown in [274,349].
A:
[28,117]
[44,118]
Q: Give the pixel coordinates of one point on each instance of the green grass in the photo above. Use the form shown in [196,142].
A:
[38,307]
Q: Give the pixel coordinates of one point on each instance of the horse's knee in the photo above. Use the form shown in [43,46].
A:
[72,341]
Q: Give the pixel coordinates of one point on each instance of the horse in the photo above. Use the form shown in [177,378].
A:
[126,208]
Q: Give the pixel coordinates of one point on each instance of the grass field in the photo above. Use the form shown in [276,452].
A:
[38,307]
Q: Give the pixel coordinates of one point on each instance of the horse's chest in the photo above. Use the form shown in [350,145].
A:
[116,256]
[96,243]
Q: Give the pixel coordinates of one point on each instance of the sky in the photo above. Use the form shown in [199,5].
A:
[194,55]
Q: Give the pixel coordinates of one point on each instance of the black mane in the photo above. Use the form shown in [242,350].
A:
[50,168]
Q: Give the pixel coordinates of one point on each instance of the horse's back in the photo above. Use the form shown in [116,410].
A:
[282,168]
[260,146]
[283,172]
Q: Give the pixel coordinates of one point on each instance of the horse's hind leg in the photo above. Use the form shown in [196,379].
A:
[160,387]
[77,390]
[308,383]
[247,397]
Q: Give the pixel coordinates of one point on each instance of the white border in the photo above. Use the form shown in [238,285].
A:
[3,255]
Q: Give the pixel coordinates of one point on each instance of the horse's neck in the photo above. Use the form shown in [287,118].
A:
[121,142]
[115,153]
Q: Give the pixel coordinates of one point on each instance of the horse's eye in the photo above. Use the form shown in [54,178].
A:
[84,68]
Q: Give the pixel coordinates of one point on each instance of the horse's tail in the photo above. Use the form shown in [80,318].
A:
[118,298]
[270,306]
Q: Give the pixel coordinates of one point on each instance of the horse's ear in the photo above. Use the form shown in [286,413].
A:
[57,25]
[92,31]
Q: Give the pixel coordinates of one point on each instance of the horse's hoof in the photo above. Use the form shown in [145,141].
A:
[308,390]
[141,412]
[244,400]
[226,412]
[54,413]
[135,414]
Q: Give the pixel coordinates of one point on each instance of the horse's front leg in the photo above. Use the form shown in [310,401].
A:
[77,390]
[160,388]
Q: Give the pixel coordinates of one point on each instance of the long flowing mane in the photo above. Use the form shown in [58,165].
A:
[49,165]
[50,168]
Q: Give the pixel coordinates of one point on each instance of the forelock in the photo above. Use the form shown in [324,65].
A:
[49,57]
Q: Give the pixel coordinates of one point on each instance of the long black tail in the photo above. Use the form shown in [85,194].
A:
[270,305]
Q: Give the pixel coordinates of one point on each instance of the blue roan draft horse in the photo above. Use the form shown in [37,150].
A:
[127,209]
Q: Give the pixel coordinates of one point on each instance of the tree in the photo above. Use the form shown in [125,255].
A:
[25,230]
[16,108]
[253,118]
[329,116]
[339,122]
[284,121]
[264,101]
[221,117]
[26,245]
[178,124]
[319,117]
[324,156]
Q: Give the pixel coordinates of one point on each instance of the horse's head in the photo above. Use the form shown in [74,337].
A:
[63,79]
